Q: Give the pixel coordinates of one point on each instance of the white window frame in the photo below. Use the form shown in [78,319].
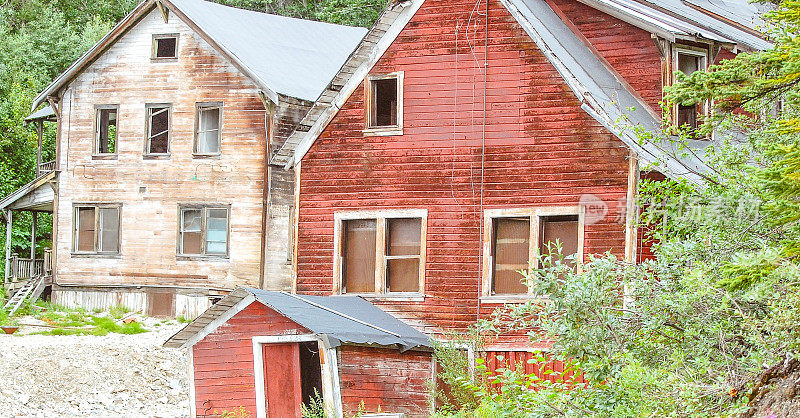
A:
[695,52]
[331,387]
[391,130]
[97,228]
[535,214]
[203,208]
[199,107]
[380,257]
[96,147]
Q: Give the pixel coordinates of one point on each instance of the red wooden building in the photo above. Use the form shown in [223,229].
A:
[462,136]
[267,352]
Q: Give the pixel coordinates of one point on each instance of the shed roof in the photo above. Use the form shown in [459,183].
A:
[292,57]
[342,319]
[45,113]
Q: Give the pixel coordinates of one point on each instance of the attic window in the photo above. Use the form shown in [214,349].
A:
[384,104]
[688,61]
[165,46]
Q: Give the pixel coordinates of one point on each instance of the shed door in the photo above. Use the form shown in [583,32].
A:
[282,380]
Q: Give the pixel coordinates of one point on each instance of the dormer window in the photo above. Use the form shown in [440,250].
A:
[165,46]
[384,104]
[689,60]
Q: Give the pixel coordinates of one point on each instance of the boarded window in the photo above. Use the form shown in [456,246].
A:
[558,229]
[687,115]
[165,46]
[204,231]
[97,229]
[158,129]
[207,140]
[510,253]
[403,254]
[358,255]
[106,135]
[160,304]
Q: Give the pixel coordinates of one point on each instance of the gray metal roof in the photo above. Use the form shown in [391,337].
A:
[342,319]
[294,57]
[43,113]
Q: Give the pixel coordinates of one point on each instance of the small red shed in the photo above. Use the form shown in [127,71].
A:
[267,352]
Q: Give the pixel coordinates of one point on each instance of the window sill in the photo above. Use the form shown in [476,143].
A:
[156,156]
[387,131]
[200,257]
[96,255]
[164,59]
[104,156]
[395,297]
[503,299]
[207,156]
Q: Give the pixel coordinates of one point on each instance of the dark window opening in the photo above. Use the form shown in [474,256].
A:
[403,254]
[97,229]
[310,372]
[165,47]
[358,254]
[558,230]
[384,103]
[510,253]
[687,115]
[106,131]
[158,130]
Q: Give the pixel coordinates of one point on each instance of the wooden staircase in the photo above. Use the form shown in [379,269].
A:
[32,288]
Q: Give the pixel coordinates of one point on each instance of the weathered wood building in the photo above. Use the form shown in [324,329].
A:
[164,198]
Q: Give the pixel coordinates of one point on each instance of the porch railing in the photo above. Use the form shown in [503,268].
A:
[25,268]
[47,167]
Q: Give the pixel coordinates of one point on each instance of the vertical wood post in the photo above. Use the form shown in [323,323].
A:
[33,237]
[9,224]
[39,131]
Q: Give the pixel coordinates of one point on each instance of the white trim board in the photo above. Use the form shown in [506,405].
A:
[217,322]
[331,391]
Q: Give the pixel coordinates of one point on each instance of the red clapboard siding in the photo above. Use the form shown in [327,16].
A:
[383,379]
[540,149]
[223,360]
[521,361]
[630,50]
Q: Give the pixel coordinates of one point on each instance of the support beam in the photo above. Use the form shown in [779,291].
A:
[9,224]
[39,132]
[33,236]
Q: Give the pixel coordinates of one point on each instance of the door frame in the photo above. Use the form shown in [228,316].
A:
[331,391]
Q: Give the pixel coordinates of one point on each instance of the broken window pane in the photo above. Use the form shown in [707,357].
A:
[86,229]
[109,230]
[166,47]
[191,233]
[358,255]
[158,133]
[402,252]
[688,63]
[687,114]
[208,130]
[384,102]
[217,231]
[510,250]
[561,229]
[106,131]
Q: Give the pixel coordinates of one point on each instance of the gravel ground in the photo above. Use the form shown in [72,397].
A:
[80,376]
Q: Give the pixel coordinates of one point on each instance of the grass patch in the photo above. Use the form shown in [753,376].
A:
[66,321]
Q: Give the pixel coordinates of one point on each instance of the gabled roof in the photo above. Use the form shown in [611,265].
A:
[283,56]
[601,92]
[33,204]
[341,319]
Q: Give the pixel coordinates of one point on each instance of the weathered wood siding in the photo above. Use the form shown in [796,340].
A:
[540,149]
[223,360]
[150,190]
[385,380]
[630,50]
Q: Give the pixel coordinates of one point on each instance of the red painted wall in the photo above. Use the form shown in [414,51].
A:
[541,149]
[386,380]
[223,360]
[630,50]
